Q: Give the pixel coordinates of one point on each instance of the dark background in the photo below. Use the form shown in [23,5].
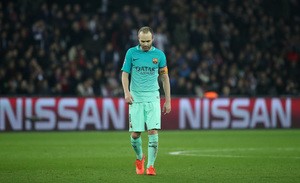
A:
[76,48]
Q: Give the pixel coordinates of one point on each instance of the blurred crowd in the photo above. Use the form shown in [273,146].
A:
[76,48]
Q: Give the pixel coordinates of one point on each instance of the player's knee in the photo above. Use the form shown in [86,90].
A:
[135,135]
[152,132]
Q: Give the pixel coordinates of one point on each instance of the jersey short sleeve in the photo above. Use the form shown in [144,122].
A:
[163,61]
[127,62]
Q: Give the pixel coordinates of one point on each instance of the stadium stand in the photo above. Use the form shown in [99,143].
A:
[76,48]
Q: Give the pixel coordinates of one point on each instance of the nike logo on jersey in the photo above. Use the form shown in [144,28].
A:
[134,59]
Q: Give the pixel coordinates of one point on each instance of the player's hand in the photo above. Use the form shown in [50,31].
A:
[128,98]
[166,108]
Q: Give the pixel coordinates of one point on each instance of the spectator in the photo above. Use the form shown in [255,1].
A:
[86,88]
[233,48]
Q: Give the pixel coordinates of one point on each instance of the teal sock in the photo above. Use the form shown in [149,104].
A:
[152,149]
[137,147]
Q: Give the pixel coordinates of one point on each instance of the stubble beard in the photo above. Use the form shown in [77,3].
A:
[146,48]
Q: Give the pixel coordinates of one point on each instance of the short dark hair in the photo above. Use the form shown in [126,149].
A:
[145,29]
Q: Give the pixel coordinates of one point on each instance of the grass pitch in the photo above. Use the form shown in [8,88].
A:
[184,156]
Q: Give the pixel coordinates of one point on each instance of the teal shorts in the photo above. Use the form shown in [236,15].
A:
[144,113]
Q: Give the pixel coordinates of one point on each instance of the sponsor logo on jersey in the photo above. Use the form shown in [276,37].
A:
[145,69]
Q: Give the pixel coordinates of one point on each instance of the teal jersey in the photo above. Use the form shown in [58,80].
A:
[143,66]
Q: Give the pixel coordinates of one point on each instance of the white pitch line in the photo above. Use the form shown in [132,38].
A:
[203,153]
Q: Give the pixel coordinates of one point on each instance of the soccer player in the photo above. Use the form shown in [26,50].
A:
[145,64]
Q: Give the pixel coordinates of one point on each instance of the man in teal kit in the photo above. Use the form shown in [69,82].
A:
[145,64]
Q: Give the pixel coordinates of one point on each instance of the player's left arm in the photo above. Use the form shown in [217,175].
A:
[163,74]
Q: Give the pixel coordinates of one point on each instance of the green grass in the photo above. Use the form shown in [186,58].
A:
[202,156]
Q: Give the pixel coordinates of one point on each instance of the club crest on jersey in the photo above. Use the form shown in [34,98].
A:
[155,60]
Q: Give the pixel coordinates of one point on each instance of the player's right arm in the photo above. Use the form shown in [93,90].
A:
[125,77]
[125,83]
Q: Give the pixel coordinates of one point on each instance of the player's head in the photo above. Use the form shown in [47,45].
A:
[145,35]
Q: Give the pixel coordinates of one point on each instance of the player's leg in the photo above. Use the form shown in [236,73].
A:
[153,121]
[152,151]
[136,143]
[136,126]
